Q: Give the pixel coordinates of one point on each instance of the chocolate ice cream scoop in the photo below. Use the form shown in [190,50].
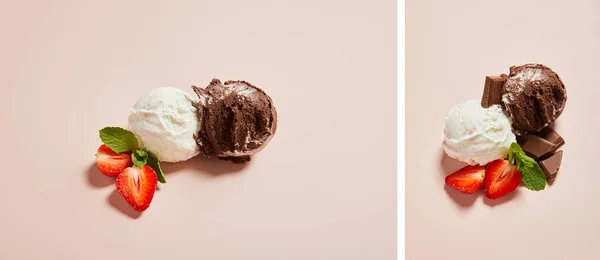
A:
[238,120]
[533,96]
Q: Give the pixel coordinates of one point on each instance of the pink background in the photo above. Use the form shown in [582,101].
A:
[324,188]
[451,47]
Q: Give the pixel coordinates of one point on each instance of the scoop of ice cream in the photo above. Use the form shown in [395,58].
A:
[533,96]
[165,122]
[477,135]
[239,119]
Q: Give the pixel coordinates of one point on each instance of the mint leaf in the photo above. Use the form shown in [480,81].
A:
[533,178]
[513,151]
[516,149]
[118,139]
[139,158]
[155,165]
[531,174]
[526,158]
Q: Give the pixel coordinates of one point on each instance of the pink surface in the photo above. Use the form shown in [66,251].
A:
[451,47]
[324,188]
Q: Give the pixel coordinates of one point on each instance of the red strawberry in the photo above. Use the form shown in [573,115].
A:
[501,177]
[137,186]
[111,163]
[468,179]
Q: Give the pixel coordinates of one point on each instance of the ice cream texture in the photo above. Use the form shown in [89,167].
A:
[477,135]
[533,96]
[165,122]
[239,119]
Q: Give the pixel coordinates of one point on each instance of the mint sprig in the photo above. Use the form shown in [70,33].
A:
[153,162]
[139,158]
[122,140]
[118,139]
[531,174]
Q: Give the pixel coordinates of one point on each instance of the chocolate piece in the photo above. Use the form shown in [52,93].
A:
[533,96]
[238,120]
[551,136]
[537,147]
[492,91]
[551,165]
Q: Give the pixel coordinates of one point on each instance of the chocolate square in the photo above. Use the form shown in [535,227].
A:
[551,165]
[537,147]
[492,91]
[552,136]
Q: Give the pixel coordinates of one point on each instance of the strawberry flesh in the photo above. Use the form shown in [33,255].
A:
[501,178]
[468,179]
[137,186]
[111,163]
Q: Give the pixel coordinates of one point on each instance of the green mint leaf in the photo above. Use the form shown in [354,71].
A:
[526,158]
[118,139]
[533,178]
[531,174]
[516,149]
[155,165]
[139,158]
[513,151]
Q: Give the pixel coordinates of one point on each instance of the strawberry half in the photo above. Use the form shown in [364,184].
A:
[111,163]
[137,186]
[501,177]
[468,179]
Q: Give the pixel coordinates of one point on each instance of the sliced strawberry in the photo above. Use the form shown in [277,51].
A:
[468,179]
[137,186]
[111,163]
[501,177]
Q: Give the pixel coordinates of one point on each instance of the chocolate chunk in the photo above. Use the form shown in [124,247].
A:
[551,165]
[492,91]
[537,147]
[551,136]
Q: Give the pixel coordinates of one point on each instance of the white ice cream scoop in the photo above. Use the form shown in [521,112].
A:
[477,135]
[165,122]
